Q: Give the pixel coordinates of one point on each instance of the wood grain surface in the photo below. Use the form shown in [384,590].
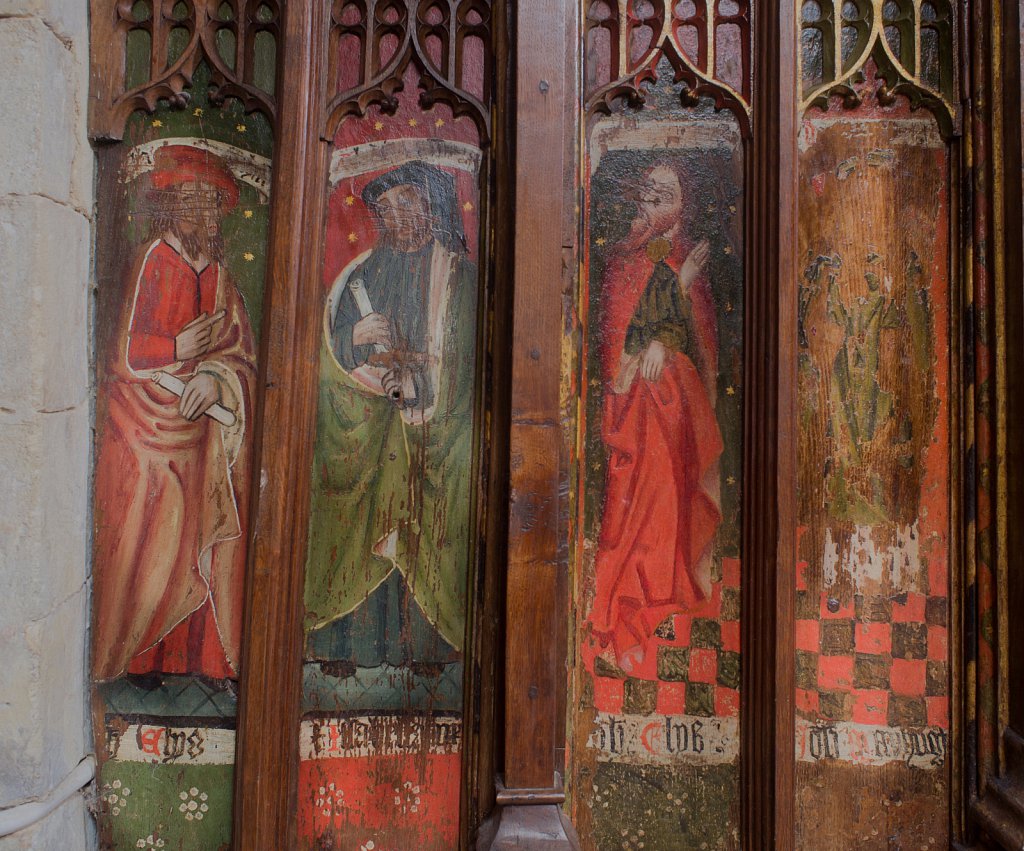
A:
[268,727]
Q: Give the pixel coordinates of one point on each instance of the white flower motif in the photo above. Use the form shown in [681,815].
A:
[193,804]
[115,795]
[330,801]
[407,799]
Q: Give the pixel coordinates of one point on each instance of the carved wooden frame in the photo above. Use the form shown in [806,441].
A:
[991,706]
[112,99]
[522,719]
[528,787]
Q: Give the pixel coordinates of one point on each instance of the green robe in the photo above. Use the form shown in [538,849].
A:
[664,314]
[375,474]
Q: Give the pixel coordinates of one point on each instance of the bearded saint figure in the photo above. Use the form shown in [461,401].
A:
[172,463]
[658,352]
[390,534]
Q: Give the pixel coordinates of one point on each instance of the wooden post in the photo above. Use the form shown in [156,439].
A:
[770,432]
[529,795]
[269,709]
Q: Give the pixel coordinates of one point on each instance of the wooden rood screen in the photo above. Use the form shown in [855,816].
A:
[550,424]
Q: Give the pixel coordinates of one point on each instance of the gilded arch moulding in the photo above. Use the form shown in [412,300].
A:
[913,44]
[707,43]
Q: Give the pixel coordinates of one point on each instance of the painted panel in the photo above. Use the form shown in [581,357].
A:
[182,235]
[655,718]
[873,725]
[393,520]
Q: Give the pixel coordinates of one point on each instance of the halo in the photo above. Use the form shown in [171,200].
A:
[245,166]
[391,153]
[627,134]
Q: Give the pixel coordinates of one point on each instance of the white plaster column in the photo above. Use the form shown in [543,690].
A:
[46,210]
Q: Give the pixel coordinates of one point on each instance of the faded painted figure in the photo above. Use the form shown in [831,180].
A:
[172,464]
[391,533]
[659,365]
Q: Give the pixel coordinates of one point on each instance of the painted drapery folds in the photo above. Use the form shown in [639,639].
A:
[873,603]
[181,275]
[653,753]
[656,726]
[393,494]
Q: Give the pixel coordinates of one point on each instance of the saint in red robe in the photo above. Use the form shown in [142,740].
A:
[170,494]
[661,509]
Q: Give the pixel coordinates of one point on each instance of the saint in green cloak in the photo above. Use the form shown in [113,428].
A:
[391,515]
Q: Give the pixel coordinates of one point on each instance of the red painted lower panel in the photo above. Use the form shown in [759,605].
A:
[380,803]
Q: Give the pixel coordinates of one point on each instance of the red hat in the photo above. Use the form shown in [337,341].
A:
[175,165]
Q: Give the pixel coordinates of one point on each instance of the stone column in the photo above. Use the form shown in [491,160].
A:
[46,213]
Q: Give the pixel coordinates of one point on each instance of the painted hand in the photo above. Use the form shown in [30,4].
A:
[195,338]
[695,262]
[200,393]
[392,382]
[372,330]
[652,362]
[400,386]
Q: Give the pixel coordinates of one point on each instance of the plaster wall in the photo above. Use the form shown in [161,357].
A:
[46,203]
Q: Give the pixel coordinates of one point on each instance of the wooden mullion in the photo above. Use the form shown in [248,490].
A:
[490,615]
[529,795]
[533,617]
[770,438]
[270,706]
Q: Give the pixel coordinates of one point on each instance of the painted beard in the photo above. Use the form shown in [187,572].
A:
[202,242]
[645,228]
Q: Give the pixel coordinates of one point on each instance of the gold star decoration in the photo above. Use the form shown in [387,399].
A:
[728,249]
[728,307]
[350,200]
[249,256]
[157,122]
[352,237]
[240,128]
[600,240]
[247,214]
[413,122]
[467,206]
[378,125]
[730,391]
[439,123]
[197,112]
[730,480]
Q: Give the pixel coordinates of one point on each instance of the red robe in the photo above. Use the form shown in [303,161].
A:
[171,495]
[661,510]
